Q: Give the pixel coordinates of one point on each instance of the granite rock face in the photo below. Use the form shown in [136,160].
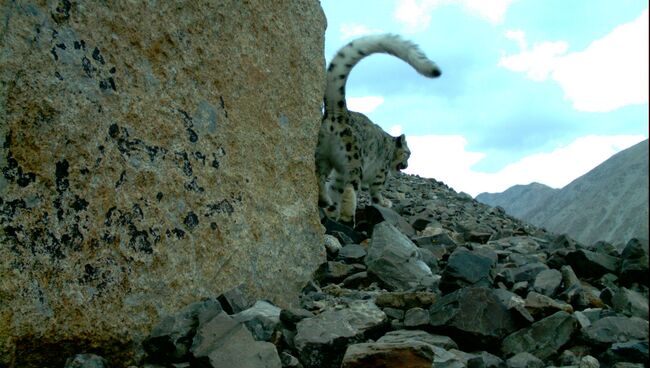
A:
[152,155]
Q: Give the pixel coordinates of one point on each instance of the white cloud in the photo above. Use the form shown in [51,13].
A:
[445,158]
[354,30]
[395,130]
[364,105]
[416,15]
[610,73]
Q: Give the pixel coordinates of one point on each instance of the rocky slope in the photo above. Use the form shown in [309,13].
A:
[608,203]
[439,281]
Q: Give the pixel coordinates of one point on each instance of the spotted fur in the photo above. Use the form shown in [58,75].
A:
[358,151]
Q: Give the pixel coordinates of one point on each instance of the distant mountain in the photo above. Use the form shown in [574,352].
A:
[519,199]
[608,203]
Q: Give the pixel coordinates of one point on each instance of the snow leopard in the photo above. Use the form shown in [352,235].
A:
[350,146]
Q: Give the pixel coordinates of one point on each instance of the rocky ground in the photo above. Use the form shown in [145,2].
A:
[439,280]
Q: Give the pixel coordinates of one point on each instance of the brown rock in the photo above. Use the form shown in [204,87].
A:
[152,155]
[412,354]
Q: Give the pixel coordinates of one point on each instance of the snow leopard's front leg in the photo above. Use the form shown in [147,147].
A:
[375,190]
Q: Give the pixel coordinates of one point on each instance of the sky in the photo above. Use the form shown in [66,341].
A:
[531,90]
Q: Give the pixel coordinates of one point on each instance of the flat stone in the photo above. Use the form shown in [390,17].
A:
[547,282]
[171,338]
[86,361]
[406,299]
[472,315]
[262,319]
[401,336]
[543,338]
[322,339]
[630,303]
[590,264]
[416,317]
[467,268]
[610,330]
[399,355]
[223,342]
[524,360]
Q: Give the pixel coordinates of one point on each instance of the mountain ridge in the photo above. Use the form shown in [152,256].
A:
[609,203]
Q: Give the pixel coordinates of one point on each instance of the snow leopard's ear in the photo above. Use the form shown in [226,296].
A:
[400,141]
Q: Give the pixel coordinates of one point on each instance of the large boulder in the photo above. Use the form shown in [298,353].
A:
[395,260]
[151,155]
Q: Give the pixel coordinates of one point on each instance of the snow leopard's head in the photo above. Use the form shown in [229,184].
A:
[402,154]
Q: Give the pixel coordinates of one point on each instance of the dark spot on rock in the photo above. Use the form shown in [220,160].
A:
[77,45]
[90,273]
[112,70]
[191,220]
[213,225]
[193,137]
[113,131]
[61,13]
[109,215]
[61,174]
[58,76]
[111,82]
[61,46]
[221,207]
[84,171]
[87,66]
[103,85]
[332,66]
[8,209]
[120,181]
[159,196]
[178,232]
[348,147]
[193,186]
[53,52]
[139,240]
[79,204]
[98,56]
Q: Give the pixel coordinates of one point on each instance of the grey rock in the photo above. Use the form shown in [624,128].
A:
[632,351]
[394,313]
[610,330]
[547,282]
[406,299]
[466,268]
[393,258]
[590,264]
[399,336]
[526,272]
[416,317]
[473,315]
[292,316]
[332,245]
[235,300]
[447,359]
[588,361]
[86,361]
[634,263]
[483,359]
[514,303]
[541,305]
[289,361]
[630,303]
[262,319]
[335,272]
[223,342]
[524,360]
[543,338]
[375,215]
[171,338]
[352,253]
[322,339]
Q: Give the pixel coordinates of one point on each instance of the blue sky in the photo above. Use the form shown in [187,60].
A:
[532,90]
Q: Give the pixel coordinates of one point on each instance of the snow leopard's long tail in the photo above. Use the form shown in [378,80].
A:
[348,56]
